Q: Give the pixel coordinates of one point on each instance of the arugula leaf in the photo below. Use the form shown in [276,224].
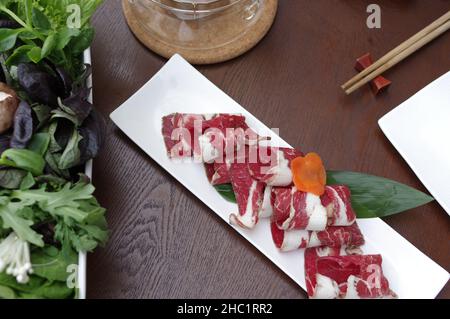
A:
[9,213]
[63,203]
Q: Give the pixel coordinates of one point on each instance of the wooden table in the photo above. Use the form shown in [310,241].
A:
[164,242]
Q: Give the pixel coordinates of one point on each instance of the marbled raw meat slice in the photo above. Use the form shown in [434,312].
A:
[293,209]
[222,136]
[249,196]
[179,131]
[272,165]
[332,236]
[209,170]
[221,174]
[311,256]
[337,201]
[331,273]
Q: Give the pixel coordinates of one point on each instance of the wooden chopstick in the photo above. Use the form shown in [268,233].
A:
[422,37]
[399,57]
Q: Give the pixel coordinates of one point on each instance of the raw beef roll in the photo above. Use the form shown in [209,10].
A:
[271,165]
[223,135]
[293,209]
[337,201]
[332,236]
[249,195]
[332,273]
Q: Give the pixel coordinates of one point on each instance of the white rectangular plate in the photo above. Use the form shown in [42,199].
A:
[420,130]
[82,256]
[178,87]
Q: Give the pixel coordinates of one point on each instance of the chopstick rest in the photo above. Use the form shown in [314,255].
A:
[380,83]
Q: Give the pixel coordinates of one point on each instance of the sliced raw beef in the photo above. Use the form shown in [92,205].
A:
[293,209]
[224,121]
[179,131]
[314,286]
[221,174]
[332,236]
[331,273]
[209,170]
[223,136]
[337,201]
[272,165]
[249,195]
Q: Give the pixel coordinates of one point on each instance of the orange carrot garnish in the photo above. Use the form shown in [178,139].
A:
[309,174]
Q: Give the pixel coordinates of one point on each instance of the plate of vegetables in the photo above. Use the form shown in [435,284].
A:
[49,134]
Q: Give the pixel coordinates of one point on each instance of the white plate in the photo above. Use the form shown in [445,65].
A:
[82,256]
[420,130]
[178,87]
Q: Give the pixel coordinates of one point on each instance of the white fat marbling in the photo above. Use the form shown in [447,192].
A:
[293,238]
[352,293]
[326,288]
[208,152]
[317,213]
[314,240]
[341,218]
[247,220]
[266,207]
[281,172]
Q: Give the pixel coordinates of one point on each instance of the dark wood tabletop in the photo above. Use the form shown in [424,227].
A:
[164,242]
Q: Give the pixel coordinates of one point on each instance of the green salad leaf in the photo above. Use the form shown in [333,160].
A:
[10,215]
[51,264]
[80,221]
[36,288]
[24,159]
[7,293]
[57,30]
[11,178]
[372,196]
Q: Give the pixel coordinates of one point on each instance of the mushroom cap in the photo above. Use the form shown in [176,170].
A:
[9,102]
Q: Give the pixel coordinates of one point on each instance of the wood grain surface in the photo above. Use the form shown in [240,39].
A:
[164,242]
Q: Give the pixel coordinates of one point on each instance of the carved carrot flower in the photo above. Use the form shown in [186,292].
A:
[309,174]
